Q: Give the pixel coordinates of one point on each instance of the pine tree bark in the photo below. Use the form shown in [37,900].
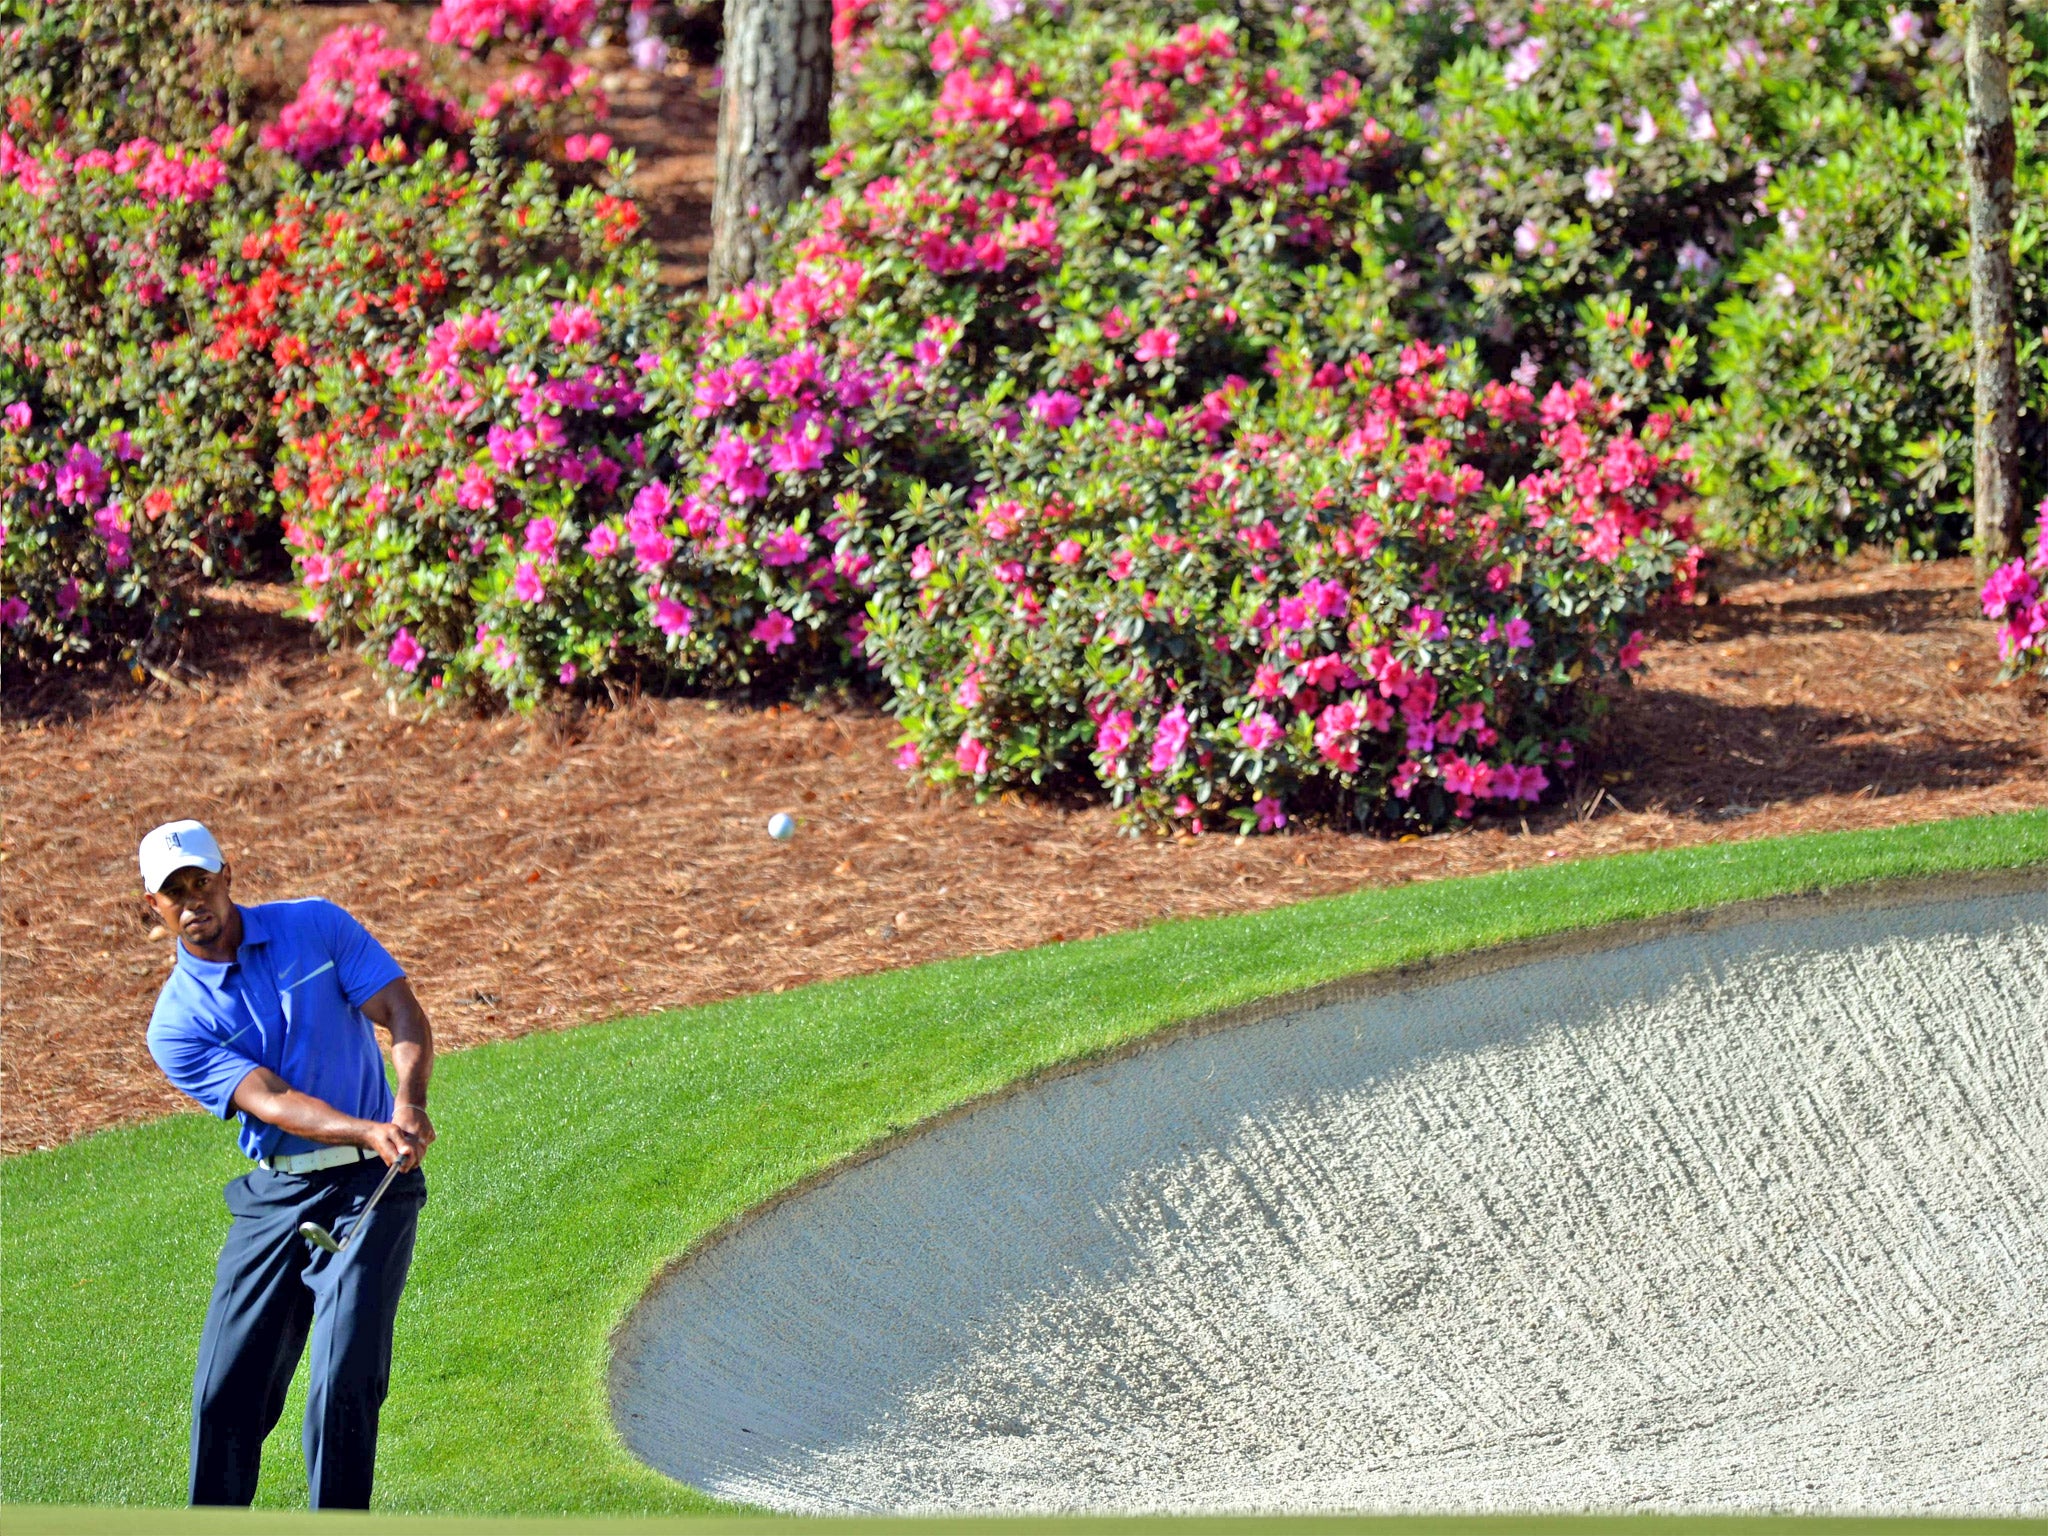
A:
[1989,153]
[774,113]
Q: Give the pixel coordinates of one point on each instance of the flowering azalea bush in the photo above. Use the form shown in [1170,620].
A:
[2016,597]
[458,354]
[1577,148]
[127,463]
[1378,589]
[360,91]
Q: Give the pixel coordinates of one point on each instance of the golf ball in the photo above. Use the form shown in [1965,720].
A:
[782,826]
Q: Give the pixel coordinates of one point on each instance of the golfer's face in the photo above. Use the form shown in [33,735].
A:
[194,904]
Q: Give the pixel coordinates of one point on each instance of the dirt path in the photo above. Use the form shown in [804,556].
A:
[541,873]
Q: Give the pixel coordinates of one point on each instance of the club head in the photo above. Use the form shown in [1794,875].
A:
[318,1236]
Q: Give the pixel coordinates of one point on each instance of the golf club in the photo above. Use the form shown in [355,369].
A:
[320,1237]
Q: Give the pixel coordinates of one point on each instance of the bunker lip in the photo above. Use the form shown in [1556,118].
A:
[630,1337]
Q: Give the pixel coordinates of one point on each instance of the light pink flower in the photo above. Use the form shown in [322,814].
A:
[1599,185]
[908,758]
[972,756]
[1259,732]
[1524,61]
[603,542]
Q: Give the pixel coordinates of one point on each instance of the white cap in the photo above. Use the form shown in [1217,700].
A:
[174,846]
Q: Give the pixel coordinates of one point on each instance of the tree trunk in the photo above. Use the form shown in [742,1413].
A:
[773,115]
[1988,152]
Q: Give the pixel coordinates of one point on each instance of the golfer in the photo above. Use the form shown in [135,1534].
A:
[268,1013]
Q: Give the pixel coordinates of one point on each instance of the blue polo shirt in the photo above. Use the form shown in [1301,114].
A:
[291,1000]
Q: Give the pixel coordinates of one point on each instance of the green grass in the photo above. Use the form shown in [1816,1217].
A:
[572,1165]
[52,1520]
[56,1521]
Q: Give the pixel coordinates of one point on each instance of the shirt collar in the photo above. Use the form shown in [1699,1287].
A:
[214,973]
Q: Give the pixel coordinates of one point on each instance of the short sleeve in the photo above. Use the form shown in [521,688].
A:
[196,1062]
[364,966]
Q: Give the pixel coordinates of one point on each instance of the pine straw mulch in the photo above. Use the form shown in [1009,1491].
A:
[533,874]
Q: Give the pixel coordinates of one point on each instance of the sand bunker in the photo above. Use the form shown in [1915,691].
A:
[1751,1216]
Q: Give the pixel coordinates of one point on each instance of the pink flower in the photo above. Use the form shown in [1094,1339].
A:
[1259,732]
[567,674]
[792,546]
[573,325]
[774,630]
[526,583]
[1405,778]
[1631,656]
[1056,409]
[1271,817]
[1696,110]
[406,653]
[1599,185]
[1169,739]
[908,758]
[1067,552]
[968,694]
[1524,61]
[972,756]
[18,416]
[2008,587]
[541,536]
[1113,735]
[671,617]
[1907,27]
[13,612]
[603,542]
[652,551]
[1519,635]
[1157,345]
[587,146]
[804,447]
[476,492]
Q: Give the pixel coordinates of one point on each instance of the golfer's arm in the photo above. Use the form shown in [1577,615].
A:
[412,1039]
[269,1098]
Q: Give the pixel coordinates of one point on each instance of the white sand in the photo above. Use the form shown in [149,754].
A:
[1738,1219]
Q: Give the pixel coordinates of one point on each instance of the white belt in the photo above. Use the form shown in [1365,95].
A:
[312,1162]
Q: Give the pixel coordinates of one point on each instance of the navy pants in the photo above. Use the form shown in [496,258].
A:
[271,1290]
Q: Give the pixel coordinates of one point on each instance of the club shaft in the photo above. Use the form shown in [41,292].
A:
[383,1184]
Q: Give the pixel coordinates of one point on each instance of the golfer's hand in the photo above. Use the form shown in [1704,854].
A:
[392,1143]
[412,1119]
